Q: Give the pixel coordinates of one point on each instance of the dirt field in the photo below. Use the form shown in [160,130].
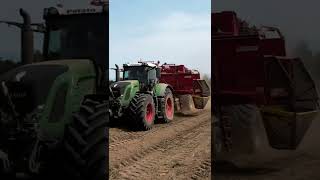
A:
[178,150]
[304,163]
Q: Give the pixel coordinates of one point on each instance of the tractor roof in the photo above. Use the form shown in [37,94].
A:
[141,64]
[97,6]
[52,11]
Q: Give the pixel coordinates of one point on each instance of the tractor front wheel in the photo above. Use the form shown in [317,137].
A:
[142,111]
[86,142]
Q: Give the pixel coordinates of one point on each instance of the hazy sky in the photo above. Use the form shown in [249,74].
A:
[165,30]
[298,20]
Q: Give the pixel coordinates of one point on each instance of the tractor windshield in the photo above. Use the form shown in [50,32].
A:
[82,36]
[143,74]
[139,73]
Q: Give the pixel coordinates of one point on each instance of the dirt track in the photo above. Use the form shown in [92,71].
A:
[304,163]
[178,150]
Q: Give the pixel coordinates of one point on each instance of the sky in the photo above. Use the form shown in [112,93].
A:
[165,30]
[298,20]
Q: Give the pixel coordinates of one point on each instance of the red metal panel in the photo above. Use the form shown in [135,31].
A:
[179,77]
[275,47]
[238,58]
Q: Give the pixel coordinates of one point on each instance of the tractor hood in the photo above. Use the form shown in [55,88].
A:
[125,90]
[29,85]
[121,86]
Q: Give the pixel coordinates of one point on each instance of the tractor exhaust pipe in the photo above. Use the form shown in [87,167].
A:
[117,73]
[26,38]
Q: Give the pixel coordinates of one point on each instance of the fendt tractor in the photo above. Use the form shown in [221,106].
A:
[149,92]
[54,114]
[258,91]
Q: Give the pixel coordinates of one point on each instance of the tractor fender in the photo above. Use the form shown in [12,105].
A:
[160,89]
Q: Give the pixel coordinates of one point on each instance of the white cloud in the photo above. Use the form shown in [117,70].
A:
[179,38]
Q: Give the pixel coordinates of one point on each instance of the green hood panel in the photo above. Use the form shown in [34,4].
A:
[127,90]
[81,68]
[58,86]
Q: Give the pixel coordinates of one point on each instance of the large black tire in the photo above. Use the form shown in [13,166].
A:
[86,143]
[142,111]
[167,107]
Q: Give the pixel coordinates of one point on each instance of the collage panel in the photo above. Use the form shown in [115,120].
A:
[53,93]
[160,79]
[265,90]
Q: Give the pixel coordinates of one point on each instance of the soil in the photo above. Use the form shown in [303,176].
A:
[271,164]
[177,150]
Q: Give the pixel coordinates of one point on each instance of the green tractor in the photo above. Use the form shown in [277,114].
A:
[54,114]
[139,97]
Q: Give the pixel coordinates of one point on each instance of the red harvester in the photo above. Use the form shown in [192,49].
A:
[252,73]
[191,92]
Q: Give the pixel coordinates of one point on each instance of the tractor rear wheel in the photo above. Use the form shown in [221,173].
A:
[86,142]
[167,107]
[142,111]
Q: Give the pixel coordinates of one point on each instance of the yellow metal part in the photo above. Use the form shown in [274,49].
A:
[286,129]
[200,102]
[191,105]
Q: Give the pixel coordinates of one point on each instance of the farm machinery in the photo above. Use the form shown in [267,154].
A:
[257,89]
[149,91]
[54,114]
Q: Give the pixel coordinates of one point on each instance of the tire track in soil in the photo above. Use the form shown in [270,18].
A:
[195,155]
[186,142]
[119,135]
[188,159]
[203,171]
[185,129]
[126,137]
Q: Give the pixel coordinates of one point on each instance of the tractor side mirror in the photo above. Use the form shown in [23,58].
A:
[158,73]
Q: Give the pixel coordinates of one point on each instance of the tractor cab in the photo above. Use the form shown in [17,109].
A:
[78,34]
[145,73]
[75,33]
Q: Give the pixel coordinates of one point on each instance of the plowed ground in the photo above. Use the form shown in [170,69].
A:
[177,150]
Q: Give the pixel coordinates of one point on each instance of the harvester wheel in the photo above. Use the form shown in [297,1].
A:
[167,107]
[86,142]
[142,111]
